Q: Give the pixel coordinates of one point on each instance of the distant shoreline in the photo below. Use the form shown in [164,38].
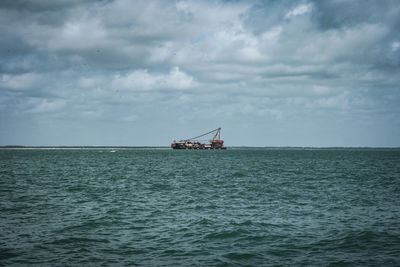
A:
[167,147]
[80,147]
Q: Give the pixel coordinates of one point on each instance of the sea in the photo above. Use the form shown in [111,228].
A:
[235,207]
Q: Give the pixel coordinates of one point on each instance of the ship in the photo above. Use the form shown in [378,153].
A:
[194,143]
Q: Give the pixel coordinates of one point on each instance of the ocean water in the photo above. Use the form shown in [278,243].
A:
[159,207]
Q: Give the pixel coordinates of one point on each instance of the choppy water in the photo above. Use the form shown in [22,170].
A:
[207,208]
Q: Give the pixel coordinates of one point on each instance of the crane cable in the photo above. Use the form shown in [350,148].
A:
[203,134]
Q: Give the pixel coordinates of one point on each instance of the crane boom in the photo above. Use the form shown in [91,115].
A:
[218,131]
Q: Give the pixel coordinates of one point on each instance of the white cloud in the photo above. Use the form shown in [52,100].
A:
[322,90]
[79,35]
[341,102]
[90,82]
[347,44]
[20,81]
[395,46]
[41,105]
[143,80]
[137,80]
[299,10]
[272,34]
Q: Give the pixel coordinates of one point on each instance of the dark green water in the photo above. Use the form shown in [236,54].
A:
[204,208]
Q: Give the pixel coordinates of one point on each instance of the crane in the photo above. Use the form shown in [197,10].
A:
[217,134]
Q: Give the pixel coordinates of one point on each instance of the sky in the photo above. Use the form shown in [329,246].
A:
[143,73]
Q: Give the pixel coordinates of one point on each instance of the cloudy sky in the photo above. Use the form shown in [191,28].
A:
[270,73]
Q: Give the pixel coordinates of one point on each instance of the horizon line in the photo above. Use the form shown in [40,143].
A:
[235,147]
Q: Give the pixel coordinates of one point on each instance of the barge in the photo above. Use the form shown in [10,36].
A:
[193,143]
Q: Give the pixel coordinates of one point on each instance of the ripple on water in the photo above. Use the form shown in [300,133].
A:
[166,208]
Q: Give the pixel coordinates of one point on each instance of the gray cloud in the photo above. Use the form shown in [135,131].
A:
[341,14]
[40,6]
[262,66]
